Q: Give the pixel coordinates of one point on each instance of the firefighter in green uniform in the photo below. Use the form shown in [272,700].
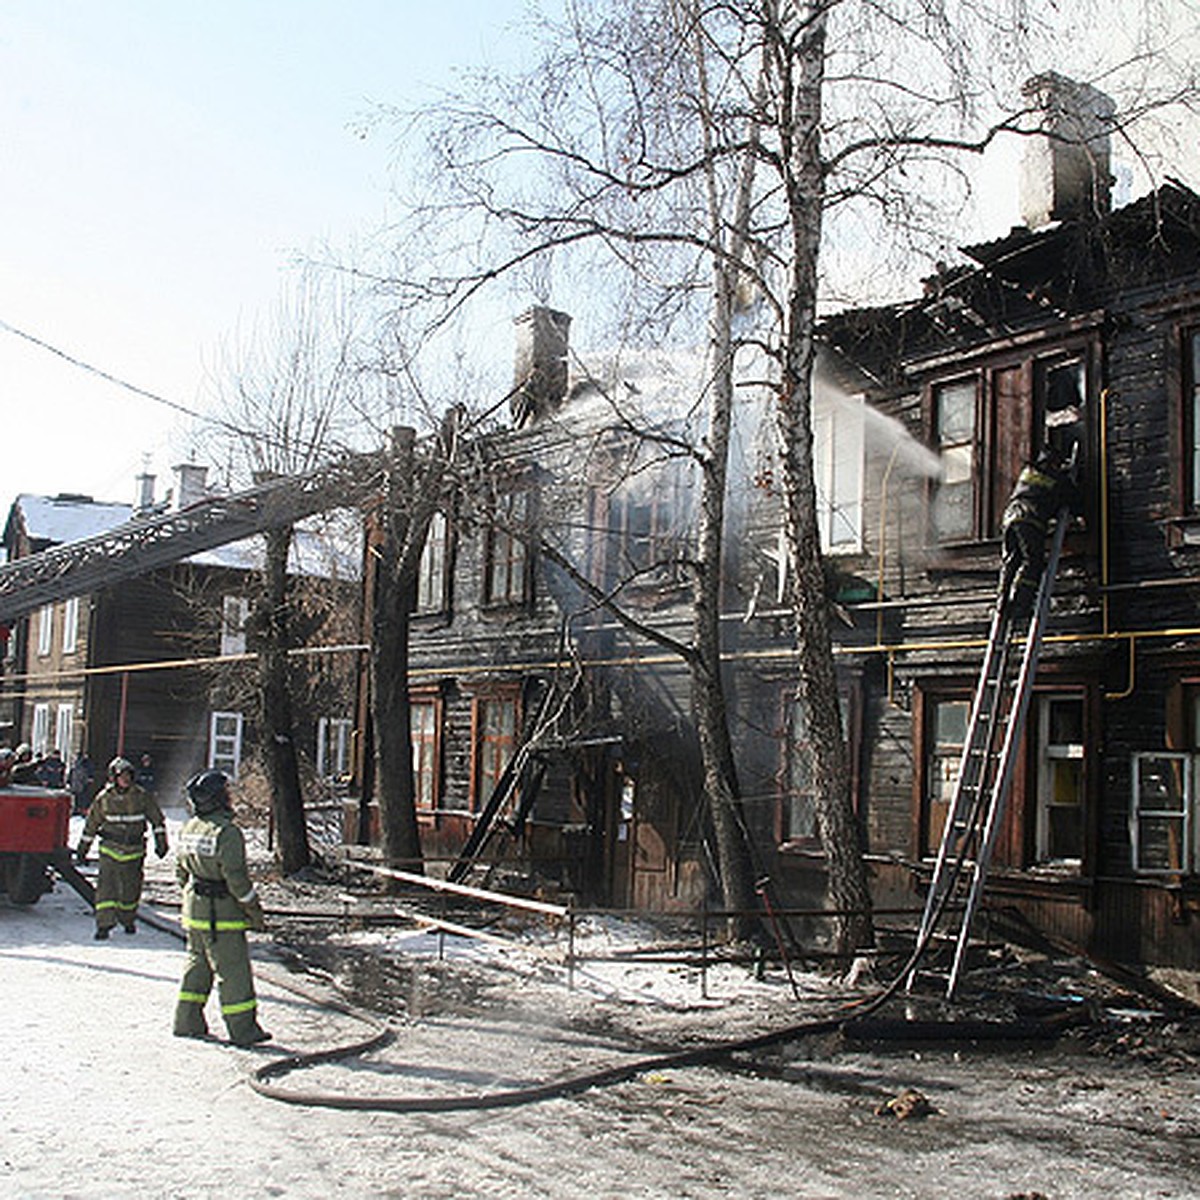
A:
[219,905]
[119,814]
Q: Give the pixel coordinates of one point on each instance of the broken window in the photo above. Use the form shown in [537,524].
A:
[1060,779]
[425,724]
[1160,813]
[494,737]
[432,574]
[506,568]
[987,427]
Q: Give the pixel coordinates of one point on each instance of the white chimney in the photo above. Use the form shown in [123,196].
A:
[190,485]
[1065,171]
[144,494]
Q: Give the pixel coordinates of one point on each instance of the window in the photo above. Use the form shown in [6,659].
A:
[1060,793]
[947,725]
[40,733]
[507,562]
[333,747]
[1191,418]
[64,719]
[494,726]
[225,742]
[70,633]
[425,724]
[837,467]
[797,809]
[234,611]
[432,574]
[955,436]
[987,427]
[45,629]
[1160,813]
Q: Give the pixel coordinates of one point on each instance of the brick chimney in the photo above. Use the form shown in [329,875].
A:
[540,370]
[1065,168]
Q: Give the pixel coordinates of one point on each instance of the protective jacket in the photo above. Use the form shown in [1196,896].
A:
[219,905]
[120,818]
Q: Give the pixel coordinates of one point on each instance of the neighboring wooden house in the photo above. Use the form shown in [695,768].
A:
[1082,327]
[130,669]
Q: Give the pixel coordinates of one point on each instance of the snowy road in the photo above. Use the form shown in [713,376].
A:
[99,1101]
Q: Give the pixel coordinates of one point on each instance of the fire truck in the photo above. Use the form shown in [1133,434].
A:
[34,828]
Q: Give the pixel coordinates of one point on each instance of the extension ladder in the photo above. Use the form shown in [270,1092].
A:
[985,770]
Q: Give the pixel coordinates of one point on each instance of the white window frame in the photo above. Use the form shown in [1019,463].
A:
[64,724]
[45,640]
[39,733]
[838,427]
[431,574]
[70,629]
[1141,809]
[225,746]
[234,612]
[333,746]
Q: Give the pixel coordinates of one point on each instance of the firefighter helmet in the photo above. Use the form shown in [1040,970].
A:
[24,752]
[208,792]
[119,766]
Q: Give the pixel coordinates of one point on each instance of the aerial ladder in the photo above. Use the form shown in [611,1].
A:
[145,543]
[994,727]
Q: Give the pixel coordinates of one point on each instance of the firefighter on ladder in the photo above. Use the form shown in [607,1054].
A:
[1043,488]
[119,815]
[219,905]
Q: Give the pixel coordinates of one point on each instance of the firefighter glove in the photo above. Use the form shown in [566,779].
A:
[81,851]
[255,917]
[160,843]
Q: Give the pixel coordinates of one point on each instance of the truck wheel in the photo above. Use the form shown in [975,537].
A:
[25,878]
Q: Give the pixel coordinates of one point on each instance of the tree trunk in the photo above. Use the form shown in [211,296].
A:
[278,736]
[817,680]
[393,606]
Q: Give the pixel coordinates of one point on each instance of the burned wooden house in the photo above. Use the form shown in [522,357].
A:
[1080,329]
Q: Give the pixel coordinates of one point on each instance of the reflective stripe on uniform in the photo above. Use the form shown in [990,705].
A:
[228,1010]
[124,818]
[117,856]
[221,926]
[193,997]
[123,906]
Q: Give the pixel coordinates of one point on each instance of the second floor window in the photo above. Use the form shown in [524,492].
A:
[45,629]
[234,611]
[70,631]
[954,428]
[506,570]
[432,574]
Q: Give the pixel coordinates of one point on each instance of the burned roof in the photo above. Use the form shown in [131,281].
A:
[1027,280]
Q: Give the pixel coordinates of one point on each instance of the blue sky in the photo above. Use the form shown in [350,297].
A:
[161,165]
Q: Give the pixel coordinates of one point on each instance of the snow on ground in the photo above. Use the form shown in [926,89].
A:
[99,1101]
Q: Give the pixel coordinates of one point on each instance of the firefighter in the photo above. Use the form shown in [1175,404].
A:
[219,905]
[1042,489]
[119,814]
[24,769]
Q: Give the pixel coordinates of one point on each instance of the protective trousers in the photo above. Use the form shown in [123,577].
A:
[224,955]
[1021,568]
[119,884]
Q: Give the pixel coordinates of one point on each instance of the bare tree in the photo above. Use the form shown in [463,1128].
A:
[288,405]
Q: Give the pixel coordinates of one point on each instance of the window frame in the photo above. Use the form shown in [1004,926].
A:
[1047,754]
[45,638]
[233,626]
[1189,761]
[426,751]
[503,547]
[70,642]
[433,571]
[505,694]
[217,760]
[335,732]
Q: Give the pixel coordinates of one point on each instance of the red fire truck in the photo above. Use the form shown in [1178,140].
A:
[34,831]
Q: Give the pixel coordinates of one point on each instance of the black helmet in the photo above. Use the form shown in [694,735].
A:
[208,792]
[119,766]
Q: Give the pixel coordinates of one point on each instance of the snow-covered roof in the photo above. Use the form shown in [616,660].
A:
[69,518]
